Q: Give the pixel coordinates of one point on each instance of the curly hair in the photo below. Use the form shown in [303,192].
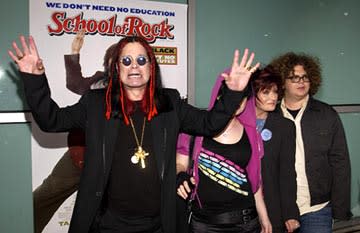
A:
[285,63]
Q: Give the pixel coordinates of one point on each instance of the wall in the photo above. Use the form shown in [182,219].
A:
[15,159]
[324,28]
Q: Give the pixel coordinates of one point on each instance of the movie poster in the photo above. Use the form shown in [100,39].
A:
[54,24]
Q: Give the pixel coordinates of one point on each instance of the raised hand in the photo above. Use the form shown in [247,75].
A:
[27,59]
[240,74]
[78,42]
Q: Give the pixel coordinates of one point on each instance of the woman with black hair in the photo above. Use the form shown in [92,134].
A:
[226,175]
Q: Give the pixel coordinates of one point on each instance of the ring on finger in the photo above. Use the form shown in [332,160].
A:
[40,65]
[20,57]
[253,69]
[248,68]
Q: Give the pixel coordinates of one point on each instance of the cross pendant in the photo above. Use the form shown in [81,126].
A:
[141,155]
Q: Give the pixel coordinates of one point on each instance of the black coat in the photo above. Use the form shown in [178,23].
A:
[101,135]
[278,171]
[327,161]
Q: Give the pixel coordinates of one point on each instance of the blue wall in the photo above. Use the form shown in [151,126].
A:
[326,28]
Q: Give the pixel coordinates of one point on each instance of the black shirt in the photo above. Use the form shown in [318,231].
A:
[216,197]
[294,112]
[132,190]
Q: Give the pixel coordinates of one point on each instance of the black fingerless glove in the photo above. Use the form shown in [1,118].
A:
[183,176]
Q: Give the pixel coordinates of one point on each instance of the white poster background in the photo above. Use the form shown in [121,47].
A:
[48,148]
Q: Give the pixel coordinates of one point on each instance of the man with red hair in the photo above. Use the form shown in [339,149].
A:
[128,179]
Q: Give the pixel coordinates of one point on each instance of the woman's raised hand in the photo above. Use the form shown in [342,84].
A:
[27,59]
[240,73]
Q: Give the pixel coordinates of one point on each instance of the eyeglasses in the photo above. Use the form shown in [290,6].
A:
[128,60]
[296,78]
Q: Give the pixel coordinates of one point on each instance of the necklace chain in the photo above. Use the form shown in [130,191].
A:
[228,129]
[142,132]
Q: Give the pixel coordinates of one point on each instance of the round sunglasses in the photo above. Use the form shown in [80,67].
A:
[128,60]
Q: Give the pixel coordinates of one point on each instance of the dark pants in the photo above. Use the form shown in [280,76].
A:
[277,229]
[319,221]
[182,215]
[112,223]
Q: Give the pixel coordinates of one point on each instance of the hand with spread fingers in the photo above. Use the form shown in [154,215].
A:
[240,73]
[292,225]
[27,59]
[78,42]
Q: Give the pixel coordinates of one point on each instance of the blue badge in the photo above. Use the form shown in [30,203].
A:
[266,135]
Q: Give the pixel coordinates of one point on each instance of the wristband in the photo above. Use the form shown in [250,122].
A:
[183,176]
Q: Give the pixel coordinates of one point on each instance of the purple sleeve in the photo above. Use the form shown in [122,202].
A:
[183,144]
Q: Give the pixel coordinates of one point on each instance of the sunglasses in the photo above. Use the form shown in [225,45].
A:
[128,60]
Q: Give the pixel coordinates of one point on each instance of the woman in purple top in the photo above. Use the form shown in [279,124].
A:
[226,175]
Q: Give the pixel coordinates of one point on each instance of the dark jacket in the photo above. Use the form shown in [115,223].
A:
[326,158]
[101,135]
[278,171]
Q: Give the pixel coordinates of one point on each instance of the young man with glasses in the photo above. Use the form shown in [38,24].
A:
[321,160]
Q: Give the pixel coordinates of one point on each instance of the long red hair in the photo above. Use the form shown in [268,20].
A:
[116,87]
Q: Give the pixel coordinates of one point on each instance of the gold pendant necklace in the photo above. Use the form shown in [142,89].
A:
[140,153]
